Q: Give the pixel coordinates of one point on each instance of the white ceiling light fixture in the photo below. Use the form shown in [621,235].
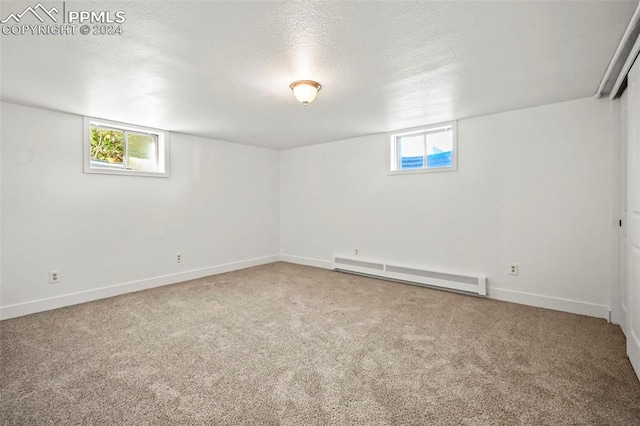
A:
[305,90]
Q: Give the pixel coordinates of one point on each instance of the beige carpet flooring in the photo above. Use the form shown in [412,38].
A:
[293,345]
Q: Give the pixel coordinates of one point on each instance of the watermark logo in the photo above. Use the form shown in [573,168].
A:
[58,20]
[33,11]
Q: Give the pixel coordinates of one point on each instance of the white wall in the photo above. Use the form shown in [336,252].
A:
[534,187]
[219,209]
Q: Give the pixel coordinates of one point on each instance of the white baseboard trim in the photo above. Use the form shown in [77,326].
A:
[619,317]
[548,302]
[633,350]
[32,307]
[325,264]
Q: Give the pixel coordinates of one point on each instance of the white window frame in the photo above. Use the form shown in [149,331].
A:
[163,148]
[393,148]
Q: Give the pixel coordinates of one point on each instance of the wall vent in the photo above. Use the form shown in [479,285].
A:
[467,283]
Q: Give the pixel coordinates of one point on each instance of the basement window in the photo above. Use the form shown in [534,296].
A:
[122,149]
[424,149]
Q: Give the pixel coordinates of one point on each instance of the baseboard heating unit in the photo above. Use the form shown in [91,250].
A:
[473,284]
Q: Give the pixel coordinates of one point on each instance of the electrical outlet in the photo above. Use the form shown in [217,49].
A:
[513,269]
[356,251]
[54,277]
[178,257]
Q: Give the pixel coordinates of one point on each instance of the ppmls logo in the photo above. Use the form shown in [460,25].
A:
[33,11]
[43,20]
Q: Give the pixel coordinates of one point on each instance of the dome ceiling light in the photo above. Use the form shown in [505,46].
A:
[305,90]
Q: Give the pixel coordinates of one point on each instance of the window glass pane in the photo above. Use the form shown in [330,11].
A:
[142,152]
[107,147]
[439,147]
[411,151]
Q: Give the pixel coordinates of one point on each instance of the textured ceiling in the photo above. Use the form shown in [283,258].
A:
[223,69]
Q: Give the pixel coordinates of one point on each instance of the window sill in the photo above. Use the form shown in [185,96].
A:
[418,171]
[106,171]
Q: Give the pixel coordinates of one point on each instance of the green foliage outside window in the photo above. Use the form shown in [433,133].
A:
[107,145]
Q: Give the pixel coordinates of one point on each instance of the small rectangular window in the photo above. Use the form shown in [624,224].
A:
[116,148]
[425,149]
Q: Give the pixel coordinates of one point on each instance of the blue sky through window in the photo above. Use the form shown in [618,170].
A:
[434,147]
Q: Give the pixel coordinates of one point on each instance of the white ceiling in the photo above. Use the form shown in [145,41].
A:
[223,69]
